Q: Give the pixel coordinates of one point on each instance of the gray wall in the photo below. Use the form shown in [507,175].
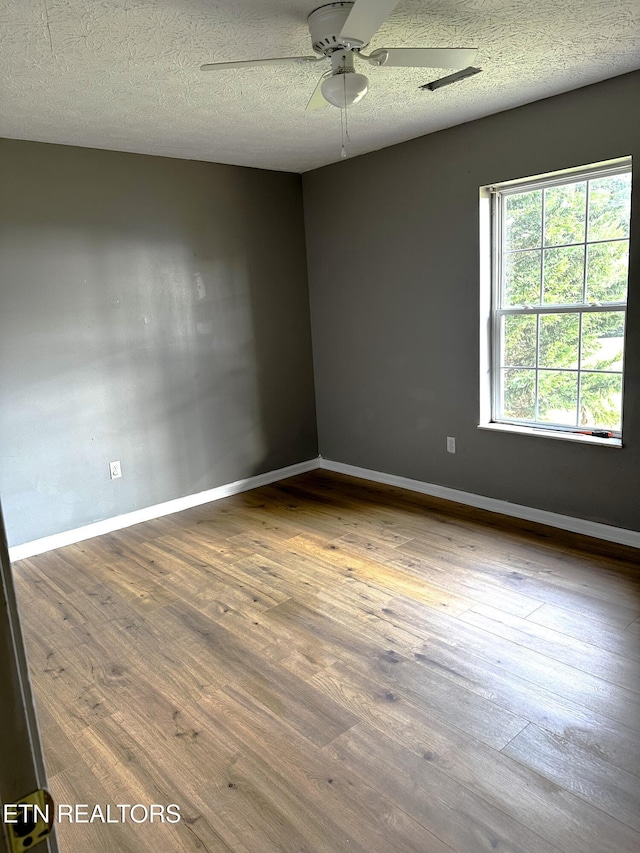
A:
[153,311]
[392,244]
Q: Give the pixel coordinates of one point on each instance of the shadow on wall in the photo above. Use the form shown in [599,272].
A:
[161,321]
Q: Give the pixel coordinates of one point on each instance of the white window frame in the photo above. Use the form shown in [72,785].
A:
[491,237]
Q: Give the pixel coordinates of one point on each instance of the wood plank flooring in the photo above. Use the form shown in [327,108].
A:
[326,665]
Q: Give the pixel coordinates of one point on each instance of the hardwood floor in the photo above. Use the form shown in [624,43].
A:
[330,665]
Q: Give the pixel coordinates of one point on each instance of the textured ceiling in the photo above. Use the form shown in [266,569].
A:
[123,74]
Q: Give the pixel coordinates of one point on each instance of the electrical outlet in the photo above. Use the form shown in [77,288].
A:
[115,470]
[451,444]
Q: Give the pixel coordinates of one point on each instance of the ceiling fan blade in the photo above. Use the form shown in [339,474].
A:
[366,17]
[245,63]
[425,57]
[317,101]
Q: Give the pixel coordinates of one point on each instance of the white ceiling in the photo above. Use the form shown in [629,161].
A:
[123,74]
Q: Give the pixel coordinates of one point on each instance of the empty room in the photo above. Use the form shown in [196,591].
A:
[320,426]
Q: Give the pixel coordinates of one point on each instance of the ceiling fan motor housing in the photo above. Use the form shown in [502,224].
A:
[325,27]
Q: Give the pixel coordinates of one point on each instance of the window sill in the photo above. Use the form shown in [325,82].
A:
[557,434]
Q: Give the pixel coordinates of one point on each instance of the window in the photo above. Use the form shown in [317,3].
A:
[559,274]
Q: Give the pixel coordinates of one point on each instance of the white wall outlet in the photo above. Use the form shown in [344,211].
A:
[451,444]
[115,470]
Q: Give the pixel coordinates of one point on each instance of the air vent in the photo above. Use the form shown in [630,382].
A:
[451,78]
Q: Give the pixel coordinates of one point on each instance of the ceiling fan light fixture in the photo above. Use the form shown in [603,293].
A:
[344,90]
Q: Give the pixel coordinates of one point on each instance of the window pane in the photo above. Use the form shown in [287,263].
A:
[565,213]
[603,340]
[609,207]
[520,341]
[522,278]
[559,334]
[563,275]
[519,394]
[607,271]
[557,397]
[523,220]
[601,400]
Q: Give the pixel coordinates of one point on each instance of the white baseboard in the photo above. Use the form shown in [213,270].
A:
[620,535]
[98,528]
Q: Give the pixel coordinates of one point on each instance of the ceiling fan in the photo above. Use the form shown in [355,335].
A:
[339,32]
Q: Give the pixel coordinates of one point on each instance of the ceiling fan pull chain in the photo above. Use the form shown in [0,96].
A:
[344,119]
[346,124]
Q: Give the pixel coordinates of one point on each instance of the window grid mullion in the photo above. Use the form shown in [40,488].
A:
[578,400]
[565,369]
[586,246]
[569,245]
[584,299]
[542,255]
